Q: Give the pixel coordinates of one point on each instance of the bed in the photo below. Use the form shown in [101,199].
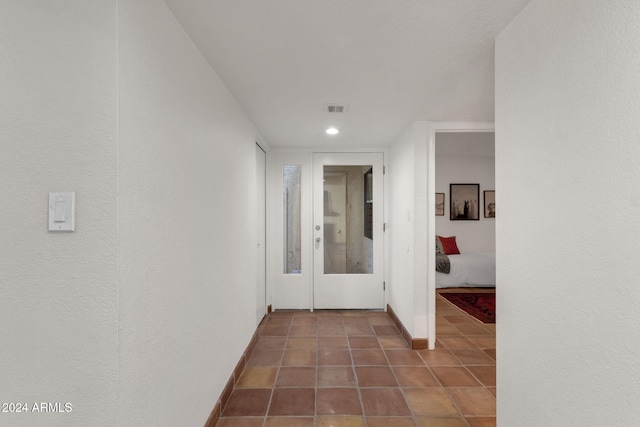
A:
[472,269]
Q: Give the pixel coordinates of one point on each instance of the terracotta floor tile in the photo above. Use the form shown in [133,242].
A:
[279,320]
[483,341]
[336,376]
[404,358]
[330,319]
[454,342]
[343,421]
[390,422]
[440,422]
[299,358]
[390,341]
[438,357]
[333,342]
[454,376]
[375,376]
[265,358]
[334,357]
[369,357]
[247,403]
[459,319]
[296,377]
[447,330]
[473,357]
[364,342]
[328,369]
[446,310]
[240,422]
[384,402]
[301,343]
[292,401]
[491,352]
[485,374]
[309,320]
[381,319]
[289,422]
[473,329]
[338,401]
[355,320]
[303,331]
[440,320]
[271,343]
[474,401]
[274,330]
[257,377]
[432,401]
[481,421]
[415,377]
[358,330]
[331,330]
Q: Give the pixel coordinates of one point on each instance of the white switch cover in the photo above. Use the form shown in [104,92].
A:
[62,207]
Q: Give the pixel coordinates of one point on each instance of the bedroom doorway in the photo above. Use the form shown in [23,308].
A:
[468,229]
[347,231]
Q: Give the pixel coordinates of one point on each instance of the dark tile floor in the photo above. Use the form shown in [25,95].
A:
[353,369]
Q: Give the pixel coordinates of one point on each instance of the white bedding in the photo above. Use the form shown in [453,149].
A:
[477,269]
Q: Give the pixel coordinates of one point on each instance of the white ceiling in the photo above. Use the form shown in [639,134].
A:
[392,61]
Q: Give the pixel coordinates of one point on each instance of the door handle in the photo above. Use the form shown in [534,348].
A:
[318,240]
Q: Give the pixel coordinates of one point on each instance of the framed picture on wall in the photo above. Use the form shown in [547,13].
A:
[464,202]
[439,204]
[489,204]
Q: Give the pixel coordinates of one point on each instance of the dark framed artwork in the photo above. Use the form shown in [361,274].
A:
[439,204]
[489,203]
[464,202]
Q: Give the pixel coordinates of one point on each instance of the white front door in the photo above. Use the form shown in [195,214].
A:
[347,231]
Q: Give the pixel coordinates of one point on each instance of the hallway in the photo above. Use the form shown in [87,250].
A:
[353,369]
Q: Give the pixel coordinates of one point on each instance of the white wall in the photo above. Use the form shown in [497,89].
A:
[58,291]
[406,291]
[187,207]
[567,174]
[140,315]
[466,158]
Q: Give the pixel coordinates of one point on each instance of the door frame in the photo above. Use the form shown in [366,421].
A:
[261,232]
[439,127]
[295,292]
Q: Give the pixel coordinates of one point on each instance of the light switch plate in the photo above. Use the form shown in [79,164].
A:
[62,207]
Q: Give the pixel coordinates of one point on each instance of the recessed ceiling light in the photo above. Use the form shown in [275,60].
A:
[332,131]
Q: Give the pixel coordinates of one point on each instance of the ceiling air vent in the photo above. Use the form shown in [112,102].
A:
[336,108]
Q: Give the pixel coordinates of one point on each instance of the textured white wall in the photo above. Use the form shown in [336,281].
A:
[567,174]
[407,290]
[58,294]
[466,158]
[187,207]
[401,186]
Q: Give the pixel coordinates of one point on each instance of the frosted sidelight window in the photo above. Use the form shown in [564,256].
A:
[292,203]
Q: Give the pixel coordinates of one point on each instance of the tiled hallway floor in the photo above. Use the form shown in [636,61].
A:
[353,369]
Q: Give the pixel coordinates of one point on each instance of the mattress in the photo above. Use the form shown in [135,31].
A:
[477,269]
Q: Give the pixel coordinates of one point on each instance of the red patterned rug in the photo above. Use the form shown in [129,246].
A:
[482,306]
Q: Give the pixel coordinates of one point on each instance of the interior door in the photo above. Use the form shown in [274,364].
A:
[348,234]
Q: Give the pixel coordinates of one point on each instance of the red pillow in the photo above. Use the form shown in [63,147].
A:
[449,245]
